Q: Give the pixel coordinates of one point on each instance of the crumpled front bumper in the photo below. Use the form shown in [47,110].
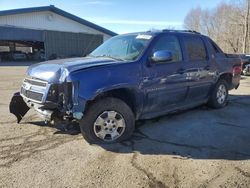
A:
[18,107]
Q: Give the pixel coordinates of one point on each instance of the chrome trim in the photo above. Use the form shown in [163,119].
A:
[35,88]
[29,99]
[33,80]
[45,114]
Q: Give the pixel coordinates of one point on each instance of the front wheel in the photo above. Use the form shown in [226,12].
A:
[108,120]
[219,95]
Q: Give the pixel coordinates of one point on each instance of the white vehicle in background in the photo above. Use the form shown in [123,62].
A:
[246,71]
[245,60]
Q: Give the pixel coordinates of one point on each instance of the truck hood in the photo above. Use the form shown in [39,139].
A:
[57,70]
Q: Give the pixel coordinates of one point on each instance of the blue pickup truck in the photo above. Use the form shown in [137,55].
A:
[128,78]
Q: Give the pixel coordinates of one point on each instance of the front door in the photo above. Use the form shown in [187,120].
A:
[164,83]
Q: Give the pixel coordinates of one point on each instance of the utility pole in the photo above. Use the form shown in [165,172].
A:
[246,26]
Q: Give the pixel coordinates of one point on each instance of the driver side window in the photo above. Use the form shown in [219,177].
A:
[170,44]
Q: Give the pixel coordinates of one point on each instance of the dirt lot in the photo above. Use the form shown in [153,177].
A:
[197,148]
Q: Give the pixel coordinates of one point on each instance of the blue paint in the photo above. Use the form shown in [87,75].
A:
[157,88]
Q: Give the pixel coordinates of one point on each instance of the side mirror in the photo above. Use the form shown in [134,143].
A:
[162,56]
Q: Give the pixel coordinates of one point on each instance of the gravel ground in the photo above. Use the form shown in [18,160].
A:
[197,148]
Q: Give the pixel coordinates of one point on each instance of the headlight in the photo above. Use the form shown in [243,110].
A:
[53,93]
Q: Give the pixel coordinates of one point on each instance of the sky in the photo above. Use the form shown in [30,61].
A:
[122,16]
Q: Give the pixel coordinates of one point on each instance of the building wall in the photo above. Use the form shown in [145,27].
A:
[65,44]
[47,21]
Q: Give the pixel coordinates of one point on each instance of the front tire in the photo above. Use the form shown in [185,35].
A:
[108,120]
[219,95]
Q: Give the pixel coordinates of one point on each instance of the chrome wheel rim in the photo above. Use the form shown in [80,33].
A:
[109,126]
[221,94]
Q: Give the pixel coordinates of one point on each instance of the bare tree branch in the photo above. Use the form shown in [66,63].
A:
[228,24]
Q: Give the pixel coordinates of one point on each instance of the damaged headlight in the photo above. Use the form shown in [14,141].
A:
[65,95]
[61,94]
[53,93]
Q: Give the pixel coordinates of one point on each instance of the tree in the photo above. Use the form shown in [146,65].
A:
[192,20]
[246,26]
[227,24]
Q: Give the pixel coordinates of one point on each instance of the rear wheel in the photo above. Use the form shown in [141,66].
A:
[219,95]
[108,120]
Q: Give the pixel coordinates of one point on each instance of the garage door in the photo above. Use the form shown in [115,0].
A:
[12,33]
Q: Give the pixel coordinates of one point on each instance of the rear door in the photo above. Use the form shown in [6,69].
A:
[197,67]
[163,82]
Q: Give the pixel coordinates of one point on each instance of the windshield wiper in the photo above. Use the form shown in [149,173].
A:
[108,56]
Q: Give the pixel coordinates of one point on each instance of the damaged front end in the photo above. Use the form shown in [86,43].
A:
[52,101]
[18,107]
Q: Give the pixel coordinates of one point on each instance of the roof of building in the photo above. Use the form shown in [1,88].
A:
[61,12]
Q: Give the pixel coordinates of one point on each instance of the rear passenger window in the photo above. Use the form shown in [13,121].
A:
[171,44]
[195,48]
[216,49]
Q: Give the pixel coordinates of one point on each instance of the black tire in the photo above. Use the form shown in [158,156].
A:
[214,101]
[87,124]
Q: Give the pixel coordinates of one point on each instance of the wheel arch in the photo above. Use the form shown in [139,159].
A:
[227,77]
[128,95]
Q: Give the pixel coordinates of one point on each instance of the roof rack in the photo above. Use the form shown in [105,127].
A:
[185,31]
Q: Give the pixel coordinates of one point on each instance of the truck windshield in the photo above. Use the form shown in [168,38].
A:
[124,47]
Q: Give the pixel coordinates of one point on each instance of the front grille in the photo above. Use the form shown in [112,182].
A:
[35,82]
[32,95]
[34,89]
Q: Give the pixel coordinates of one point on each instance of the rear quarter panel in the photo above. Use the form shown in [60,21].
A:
[224,64]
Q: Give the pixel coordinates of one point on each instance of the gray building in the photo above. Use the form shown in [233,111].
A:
[47,32]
